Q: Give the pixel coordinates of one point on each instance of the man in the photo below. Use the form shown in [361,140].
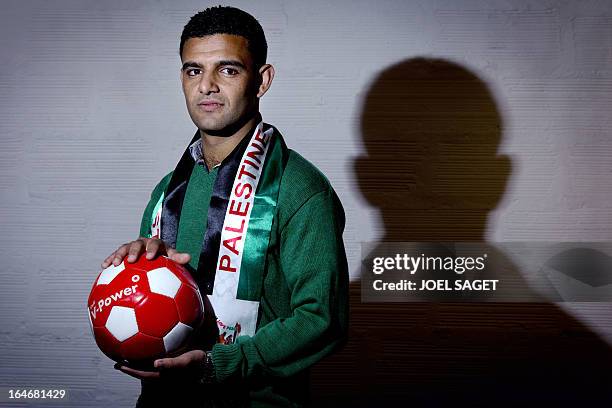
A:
[259,226]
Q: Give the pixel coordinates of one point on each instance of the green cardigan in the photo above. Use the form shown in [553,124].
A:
[303,312]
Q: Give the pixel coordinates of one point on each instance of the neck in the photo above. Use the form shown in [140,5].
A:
[217,147]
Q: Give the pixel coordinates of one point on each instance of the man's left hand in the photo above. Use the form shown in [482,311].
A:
[180,365]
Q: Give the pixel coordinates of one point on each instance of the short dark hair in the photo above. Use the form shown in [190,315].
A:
[228,20]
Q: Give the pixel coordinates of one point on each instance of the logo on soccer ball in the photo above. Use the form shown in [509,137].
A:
[144,310]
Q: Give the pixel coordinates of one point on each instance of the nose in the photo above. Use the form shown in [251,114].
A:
[207,83]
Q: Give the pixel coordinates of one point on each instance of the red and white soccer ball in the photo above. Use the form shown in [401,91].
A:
[144,310]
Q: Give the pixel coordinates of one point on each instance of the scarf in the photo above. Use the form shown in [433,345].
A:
[242,205]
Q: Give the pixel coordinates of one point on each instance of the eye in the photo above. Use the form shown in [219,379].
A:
[192,72]
[229,71]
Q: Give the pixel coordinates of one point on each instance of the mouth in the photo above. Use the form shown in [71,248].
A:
[210,106]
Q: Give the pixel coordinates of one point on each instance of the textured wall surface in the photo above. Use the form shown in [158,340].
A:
[497,113]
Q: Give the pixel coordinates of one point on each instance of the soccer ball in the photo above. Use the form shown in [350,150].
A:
[144,310]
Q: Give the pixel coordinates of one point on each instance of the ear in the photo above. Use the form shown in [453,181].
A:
[266,73]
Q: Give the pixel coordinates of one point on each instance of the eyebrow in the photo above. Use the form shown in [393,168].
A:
[231,63]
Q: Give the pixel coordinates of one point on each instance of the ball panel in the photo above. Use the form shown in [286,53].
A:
[108,274]
[122,323]
[136,281]
[97,312]
[156,315]
[189,305]
[182,273]
[142,347]
[164,282]
[91,326]
[107,343]
[176,337]
[126,290]
[145,265]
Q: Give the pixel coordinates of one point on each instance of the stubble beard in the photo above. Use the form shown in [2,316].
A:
[225,126]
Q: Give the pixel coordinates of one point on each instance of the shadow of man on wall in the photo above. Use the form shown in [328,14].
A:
[432,167]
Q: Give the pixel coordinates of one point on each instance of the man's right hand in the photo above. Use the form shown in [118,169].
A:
[151,246]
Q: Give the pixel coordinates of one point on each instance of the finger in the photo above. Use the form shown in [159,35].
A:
[172,363]
[179,257]
[120,253]
[141,375]
[107,261]
[182,361]
[153,247]
[135,249]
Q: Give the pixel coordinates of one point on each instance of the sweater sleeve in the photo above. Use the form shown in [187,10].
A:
[313,262]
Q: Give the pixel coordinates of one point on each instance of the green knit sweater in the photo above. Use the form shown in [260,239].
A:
[303,312]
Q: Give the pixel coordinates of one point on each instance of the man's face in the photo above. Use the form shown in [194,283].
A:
[219,81]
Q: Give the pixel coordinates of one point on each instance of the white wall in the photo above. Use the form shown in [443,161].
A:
[91,116]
